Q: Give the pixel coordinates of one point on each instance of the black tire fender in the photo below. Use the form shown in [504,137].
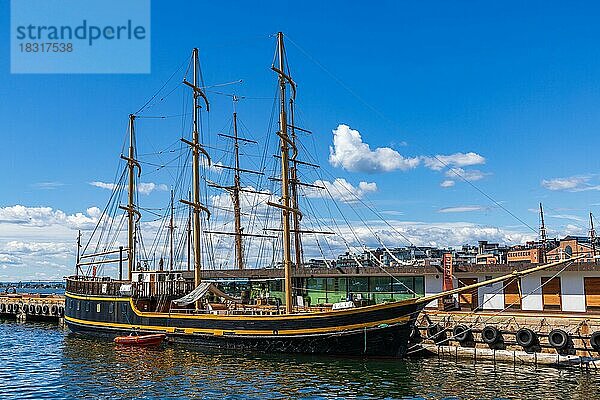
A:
[491,335]
[436,333]
[462,333]
[526,338]
[595,340]
[559,339]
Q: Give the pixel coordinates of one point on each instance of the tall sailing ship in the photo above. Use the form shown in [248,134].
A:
[176,301]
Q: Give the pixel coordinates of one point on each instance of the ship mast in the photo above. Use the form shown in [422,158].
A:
[543,233]
[236,189]
[285,204]
[196,150]
[294,187]
[131,211]
[189,235]
[172,233]
[78,253]
[235,194]
[592,235]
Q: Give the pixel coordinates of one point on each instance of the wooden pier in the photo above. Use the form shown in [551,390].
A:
[25,307]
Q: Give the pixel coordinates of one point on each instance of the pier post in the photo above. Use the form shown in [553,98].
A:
[21,317]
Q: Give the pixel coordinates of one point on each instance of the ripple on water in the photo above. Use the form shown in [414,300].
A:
[39,361]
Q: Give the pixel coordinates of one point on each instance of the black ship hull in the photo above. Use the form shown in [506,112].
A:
[374,331]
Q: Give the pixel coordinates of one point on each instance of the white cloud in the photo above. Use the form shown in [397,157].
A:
[569,183]
[341,190]
[440,161]
[142,187]
[94,212]
[149,187]
[571,229]
[351,153]
[46,216]
[34,260]
[103,185]
[392,212]
[567,216]
[9,259]
[418,233]
[251,201]
[48,185]
[460,209]
[469,175]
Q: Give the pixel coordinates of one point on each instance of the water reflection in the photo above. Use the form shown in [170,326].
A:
[40,361]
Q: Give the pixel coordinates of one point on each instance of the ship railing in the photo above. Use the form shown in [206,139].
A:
[88,285]
[164,288]
[93,285]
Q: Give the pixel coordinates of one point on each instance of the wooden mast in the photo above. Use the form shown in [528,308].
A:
[189,235]
[236,189]
[543,236]
[197,149]
[196,175]
[592,235]
[78,253]
[131,162]
[294,187]
[235,194]
[285,175]
[172,233]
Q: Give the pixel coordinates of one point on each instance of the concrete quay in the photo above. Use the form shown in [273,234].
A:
[25,307]
[549,338]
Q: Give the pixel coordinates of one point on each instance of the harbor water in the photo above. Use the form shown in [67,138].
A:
[39,360]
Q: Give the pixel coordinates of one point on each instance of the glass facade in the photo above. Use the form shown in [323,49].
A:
[374,289]
[370,289]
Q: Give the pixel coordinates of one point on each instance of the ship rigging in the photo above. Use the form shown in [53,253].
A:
[189,309]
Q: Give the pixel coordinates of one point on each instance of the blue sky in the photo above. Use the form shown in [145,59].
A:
[517,84]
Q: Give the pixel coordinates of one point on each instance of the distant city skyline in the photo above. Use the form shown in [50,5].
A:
[454,120]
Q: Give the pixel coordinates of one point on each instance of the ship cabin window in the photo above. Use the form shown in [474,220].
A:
[78,305]
[111,308]
[98,307]
[70,303]
[87,306]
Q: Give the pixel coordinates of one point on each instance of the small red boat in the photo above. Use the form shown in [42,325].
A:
[142,340]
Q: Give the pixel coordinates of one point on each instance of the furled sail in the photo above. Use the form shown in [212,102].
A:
[199,292]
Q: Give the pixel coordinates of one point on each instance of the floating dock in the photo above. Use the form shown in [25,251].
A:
[25,307]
